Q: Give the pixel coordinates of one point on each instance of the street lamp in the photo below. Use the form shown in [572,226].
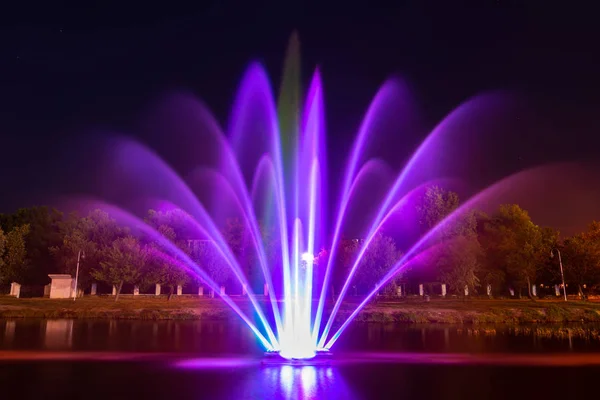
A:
[80,255]
[561,271]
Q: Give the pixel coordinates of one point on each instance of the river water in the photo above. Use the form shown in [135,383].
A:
[102,359]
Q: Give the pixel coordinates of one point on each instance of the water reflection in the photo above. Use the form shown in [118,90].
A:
[58,334]
[446,338]
[292,382]
[222,360]
[216,338]
[9,332]
[273,381]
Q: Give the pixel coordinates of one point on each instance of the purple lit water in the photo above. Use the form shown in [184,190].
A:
[220,360]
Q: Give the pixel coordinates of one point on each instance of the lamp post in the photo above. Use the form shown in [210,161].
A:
[80,255]
[562,274]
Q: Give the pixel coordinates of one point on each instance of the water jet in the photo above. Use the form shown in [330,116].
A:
[320,357]
[272,167]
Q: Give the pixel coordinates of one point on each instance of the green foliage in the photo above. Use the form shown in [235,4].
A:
[44,232]
[211,260]
[380,256]
[458,263]
[471,249]
[520,245]
[172,225]
[92,235]
[582,257]
[179,221]
[124,261]
[13,254]
[234,234]
[271,244]
[455,252]
[492,270]
[436,204]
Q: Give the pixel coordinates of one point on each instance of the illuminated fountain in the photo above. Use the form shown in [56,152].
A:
[284,148]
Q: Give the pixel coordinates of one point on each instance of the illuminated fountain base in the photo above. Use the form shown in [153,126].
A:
[322,357]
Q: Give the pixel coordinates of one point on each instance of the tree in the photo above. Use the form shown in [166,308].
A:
[454,253]
[521,245]
[13,254]
[380,256]
[161,269]
[123,262]
[582,257]
[44,233]
[492,270]
[165,272]
[345,257]
[250,262]
[92,235]
[212,262]
[437,203]
[238,238]
[234,233]
[319,269]
[458,263]
[182,223]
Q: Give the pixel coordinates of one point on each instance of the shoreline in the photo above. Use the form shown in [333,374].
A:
[409,311]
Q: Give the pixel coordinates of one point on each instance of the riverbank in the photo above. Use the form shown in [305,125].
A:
[480,311]
[450,311]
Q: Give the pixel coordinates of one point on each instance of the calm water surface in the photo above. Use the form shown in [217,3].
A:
[221,360]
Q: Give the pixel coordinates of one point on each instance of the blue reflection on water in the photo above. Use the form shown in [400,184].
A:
[292,382]
[275,381]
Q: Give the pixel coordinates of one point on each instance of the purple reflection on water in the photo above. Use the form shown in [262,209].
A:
[277,382]
[221,362]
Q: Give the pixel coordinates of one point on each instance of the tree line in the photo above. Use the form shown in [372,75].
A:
[40,241]
[505,251]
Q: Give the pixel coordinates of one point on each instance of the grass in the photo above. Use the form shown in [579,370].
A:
[444,311]
[483,311]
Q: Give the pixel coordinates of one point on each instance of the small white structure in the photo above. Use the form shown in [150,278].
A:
[15,289]
[244,289]
[266,289]
[200,290]
[534,290]
[222,290]
[420,289]
[399,291]
[94,289]
[136,290]
[512,292]
[61,286]
[557,290]
[157,290]
[179,290]
[466,290]
[114,292]
[443,290]
[489,290]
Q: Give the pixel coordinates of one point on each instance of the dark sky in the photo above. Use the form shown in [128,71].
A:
[65,68]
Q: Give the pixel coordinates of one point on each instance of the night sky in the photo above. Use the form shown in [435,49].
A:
[66,69]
